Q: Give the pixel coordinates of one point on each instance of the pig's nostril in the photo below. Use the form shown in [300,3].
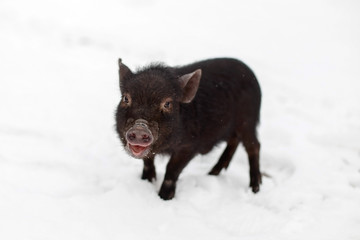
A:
[146,138]
[131,136]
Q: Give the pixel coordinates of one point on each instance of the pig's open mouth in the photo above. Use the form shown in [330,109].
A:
[138,151]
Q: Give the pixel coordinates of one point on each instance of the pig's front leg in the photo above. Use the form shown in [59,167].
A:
[149,169]
[176,164]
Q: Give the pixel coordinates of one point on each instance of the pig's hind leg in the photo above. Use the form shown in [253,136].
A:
[149,169]
[226,157]
[252,147]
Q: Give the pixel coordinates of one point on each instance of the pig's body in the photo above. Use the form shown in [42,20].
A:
[225,108]
[228,97]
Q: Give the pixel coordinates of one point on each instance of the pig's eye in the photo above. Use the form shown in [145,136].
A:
[167,105]
[126,100]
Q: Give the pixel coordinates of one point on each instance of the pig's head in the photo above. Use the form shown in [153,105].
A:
[148,115]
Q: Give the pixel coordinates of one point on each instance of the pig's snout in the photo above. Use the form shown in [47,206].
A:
[138,135]
[139,138]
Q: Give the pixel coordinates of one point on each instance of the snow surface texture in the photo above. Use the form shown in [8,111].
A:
[64,174]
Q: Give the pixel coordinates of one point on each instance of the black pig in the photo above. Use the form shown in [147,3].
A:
[169,110]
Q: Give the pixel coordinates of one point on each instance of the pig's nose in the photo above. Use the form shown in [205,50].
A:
[139,135]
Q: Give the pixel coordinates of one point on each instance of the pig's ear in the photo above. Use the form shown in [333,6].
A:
[190,84]
[124,71]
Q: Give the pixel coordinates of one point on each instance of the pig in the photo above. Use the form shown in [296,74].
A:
[187,110]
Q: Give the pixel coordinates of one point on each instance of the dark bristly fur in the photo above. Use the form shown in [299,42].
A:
[225,108]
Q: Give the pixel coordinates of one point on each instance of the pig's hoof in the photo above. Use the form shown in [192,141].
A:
[255,188]
[167,191]
[148,174]
[215,172]
[255,183]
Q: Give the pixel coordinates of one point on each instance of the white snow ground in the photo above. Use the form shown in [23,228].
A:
[64,175]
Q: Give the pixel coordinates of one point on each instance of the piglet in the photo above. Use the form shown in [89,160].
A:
[187,110]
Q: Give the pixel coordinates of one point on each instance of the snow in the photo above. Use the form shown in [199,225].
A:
[64,174]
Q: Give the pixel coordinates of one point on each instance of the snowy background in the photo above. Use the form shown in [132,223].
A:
[64,174]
